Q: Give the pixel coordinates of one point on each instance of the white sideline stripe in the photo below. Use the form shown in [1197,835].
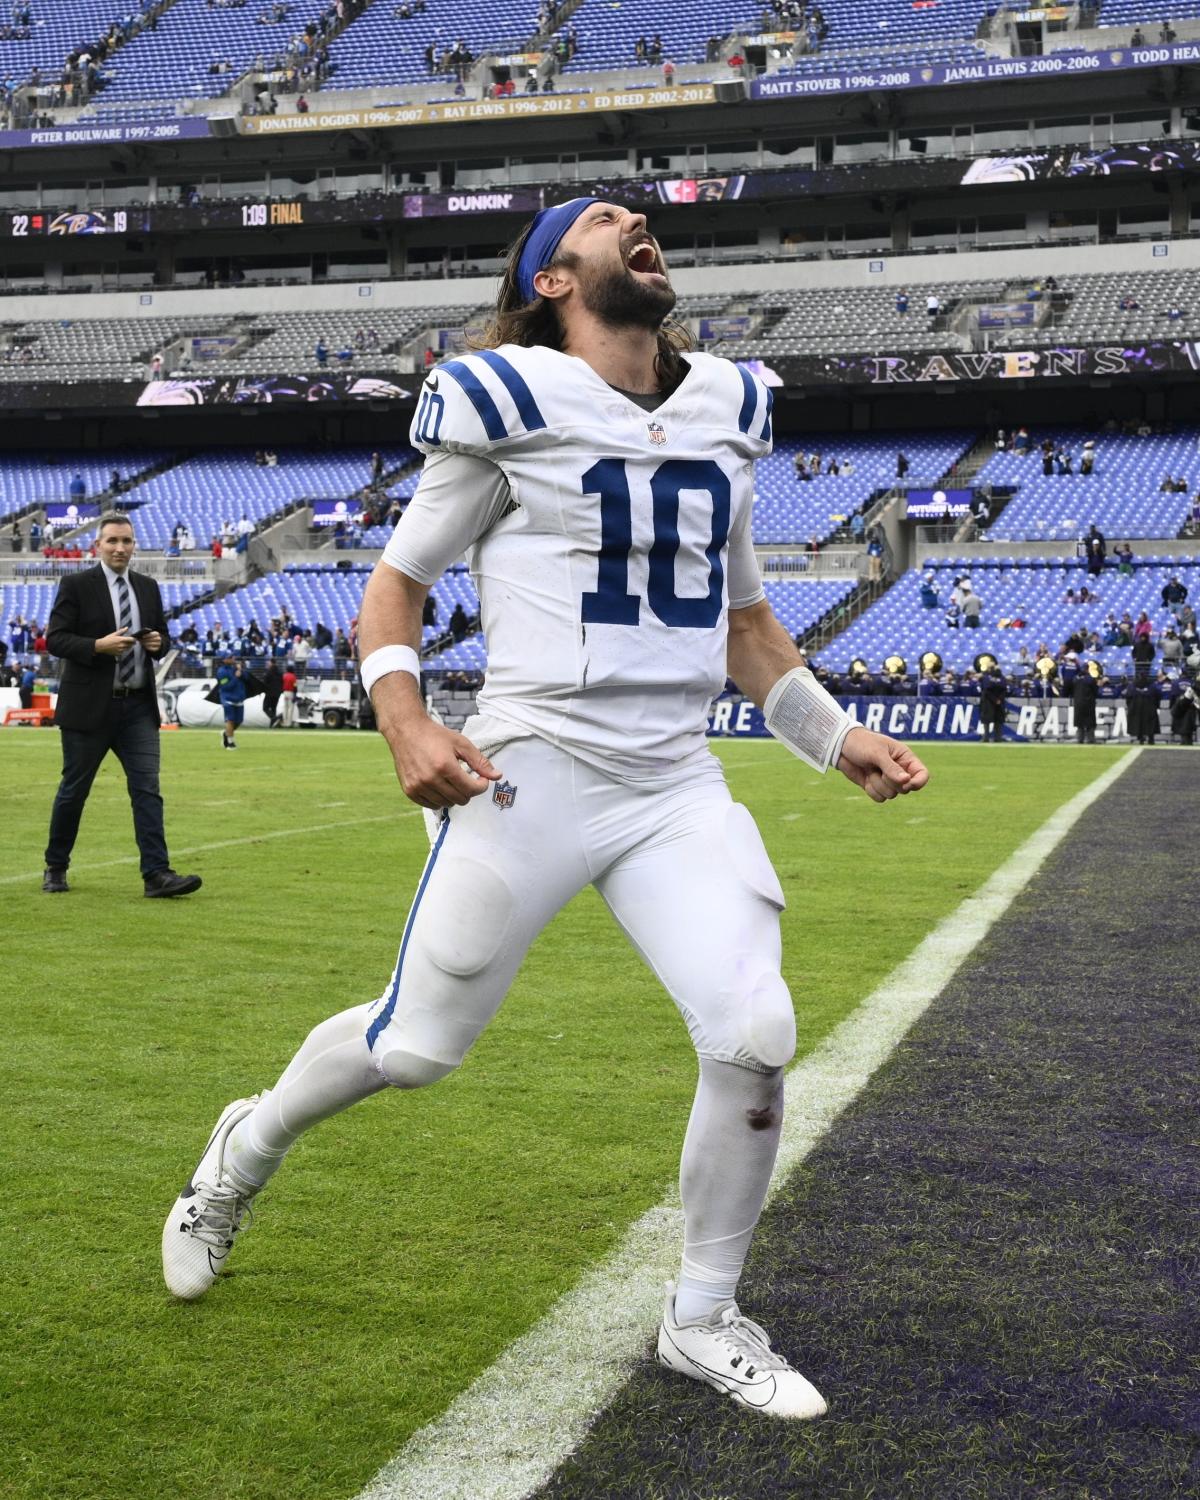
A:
[506,1434]
[253,838]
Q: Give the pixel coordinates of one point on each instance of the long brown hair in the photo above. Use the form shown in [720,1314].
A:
[536,323]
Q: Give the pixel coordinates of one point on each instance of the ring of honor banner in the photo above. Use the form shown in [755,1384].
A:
[902,75]
[949,718]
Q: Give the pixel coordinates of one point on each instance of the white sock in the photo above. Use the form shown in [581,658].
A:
[728,1156]
[332,1070]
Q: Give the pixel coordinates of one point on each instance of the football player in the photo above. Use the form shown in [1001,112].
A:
[599,479]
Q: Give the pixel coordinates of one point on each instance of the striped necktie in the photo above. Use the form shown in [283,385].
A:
[125,664]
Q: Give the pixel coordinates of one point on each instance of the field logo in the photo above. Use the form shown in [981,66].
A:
[504,794]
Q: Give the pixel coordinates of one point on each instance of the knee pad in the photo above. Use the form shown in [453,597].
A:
[766,1020]
[407,1070]
[465,917]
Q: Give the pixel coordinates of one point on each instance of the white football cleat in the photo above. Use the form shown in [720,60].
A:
[734,1355]
[200,1228]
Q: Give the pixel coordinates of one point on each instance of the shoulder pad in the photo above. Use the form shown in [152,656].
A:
[475,404]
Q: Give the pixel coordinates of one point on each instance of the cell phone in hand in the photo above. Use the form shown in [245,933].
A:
[140,635]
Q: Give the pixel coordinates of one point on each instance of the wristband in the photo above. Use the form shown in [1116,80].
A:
[385,660]
[804,717]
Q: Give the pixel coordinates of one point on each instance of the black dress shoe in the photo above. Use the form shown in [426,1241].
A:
[54,881]
[167,883]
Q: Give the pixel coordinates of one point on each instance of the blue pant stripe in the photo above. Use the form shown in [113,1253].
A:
[516,387]
[385,1015]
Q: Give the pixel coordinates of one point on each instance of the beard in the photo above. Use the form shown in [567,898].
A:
[618,298]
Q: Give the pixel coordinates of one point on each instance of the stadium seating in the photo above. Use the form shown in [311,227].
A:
[790,510]
[33,601]
[1122,494]
[173,61]
[1130,13]
[59,26]
[28,478]
[320,595]
[819,64]
[609,33]
[212,488]
[1010,588]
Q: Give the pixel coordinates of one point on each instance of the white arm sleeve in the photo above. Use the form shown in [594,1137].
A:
[458,499]
[745,581]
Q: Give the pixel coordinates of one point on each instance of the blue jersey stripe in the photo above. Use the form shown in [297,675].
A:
[489,412]
[385,1015]
[517,389]
[750,402]
[765,434]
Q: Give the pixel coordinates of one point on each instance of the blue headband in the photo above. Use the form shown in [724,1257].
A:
[543,240]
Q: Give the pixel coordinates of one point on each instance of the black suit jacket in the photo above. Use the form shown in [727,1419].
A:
[82,613]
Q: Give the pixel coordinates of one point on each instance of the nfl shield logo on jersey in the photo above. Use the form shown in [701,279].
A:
[657,433]
[504,794]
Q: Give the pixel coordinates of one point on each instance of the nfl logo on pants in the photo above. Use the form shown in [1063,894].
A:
[504,794]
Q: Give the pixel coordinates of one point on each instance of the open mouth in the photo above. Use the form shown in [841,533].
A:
[643,260]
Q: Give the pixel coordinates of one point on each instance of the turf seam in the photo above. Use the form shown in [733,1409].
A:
[502,1438]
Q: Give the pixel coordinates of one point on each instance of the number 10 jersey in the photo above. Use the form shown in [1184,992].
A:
[607,543]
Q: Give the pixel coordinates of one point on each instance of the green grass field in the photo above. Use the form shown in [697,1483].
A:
[408,1241]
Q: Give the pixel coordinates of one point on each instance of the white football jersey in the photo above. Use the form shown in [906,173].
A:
[611,542]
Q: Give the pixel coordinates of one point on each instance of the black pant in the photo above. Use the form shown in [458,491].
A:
[131,732]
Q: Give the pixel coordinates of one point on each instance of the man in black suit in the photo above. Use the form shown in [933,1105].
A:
[108,626]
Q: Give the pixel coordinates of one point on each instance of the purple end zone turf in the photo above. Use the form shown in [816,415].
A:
[989,1265]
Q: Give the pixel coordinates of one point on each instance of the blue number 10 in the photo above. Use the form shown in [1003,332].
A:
[612,603]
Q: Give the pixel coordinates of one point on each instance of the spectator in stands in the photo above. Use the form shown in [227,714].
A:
[814,546]
[902,302]
[114,482]
[1047,459]
[929,598]
[902,465]
[341,646]
[302,105]
[303,649]
[668,74]
[1166,33]
[459,624]
[1021,441]
[655,51]
[1143,629]
[858,526]
[1128,303]
[1175,313]
[1001,443]
[972,608]
[1174,592]
[1087,459]
[78,488]
[1124,552]
[1087,597]
[1137,39]
[932,306]
[640,50]
[1170,647]
[1063,460]
[1095,559]
[833,467]
[321,353]
[874,554]
[429,613]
